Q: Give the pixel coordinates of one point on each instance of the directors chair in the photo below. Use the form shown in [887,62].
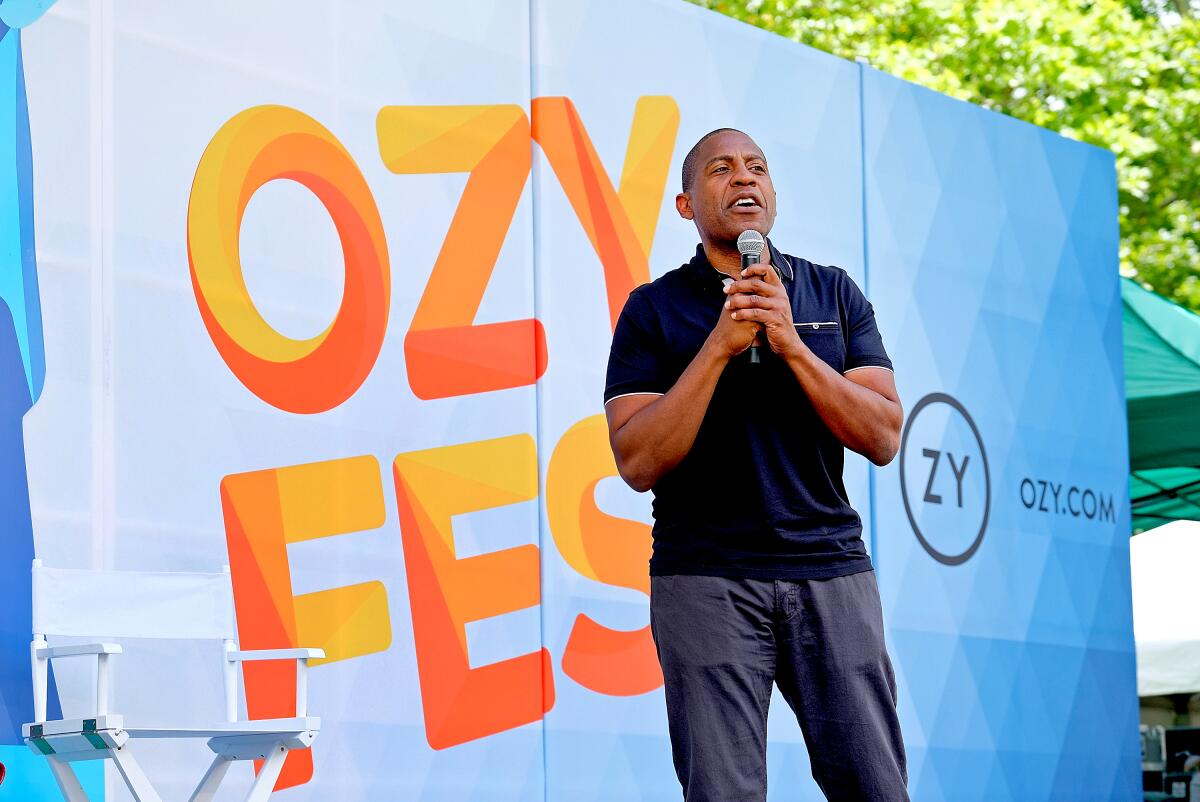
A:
[144,604]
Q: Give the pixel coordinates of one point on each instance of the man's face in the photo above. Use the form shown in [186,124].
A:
[731,190]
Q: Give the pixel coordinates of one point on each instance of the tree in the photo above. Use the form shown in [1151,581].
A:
[1121,74]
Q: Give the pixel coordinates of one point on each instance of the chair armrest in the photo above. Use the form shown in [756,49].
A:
[41,655]
[301,656]
[274,654]
[78,650]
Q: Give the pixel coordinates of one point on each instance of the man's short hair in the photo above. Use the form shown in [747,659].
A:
[689,161]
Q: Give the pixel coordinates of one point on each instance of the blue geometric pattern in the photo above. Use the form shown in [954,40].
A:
[992,263]
[18,269]
[16,540]
[22,371]
[29,779]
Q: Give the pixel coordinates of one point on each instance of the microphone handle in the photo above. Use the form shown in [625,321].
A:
[747,260]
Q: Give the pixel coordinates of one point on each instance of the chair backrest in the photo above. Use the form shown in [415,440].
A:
[132,604]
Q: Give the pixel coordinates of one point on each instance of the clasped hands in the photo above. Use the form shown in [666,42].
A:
[757,303]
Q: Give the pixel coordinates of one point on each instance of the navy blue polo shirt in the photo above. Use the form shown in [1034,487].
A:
[760,493]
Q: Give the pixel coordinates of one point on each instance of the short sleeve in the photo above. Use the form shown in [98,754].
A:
[636,359]
[864,345]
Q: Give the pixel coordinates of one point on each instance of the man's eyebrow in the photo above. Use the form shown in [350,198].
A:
[727,158]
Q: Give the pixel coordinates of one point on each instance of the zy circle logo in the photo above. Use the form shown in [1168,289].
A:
[944,479]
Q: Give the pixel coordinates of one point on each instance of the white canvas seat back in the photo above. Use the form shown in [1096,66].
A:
[132,604]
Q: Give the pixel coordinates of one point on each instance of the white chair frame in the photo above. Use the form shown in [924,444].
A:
[104,736]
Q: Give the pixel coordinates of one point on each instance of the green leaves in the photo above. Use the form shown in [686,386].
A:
[1121,74]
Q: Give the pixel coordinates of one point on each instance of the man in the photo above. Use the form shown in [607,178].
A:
[759,573]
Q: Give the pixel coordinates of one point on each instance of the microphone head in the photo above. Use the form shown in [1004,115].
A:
[751,241]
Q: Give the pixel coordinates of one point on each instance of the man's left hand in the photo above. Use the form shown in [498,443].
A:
[759,296]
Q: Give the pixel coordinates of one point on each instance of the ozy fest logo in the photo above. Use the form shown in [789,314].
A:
[447,355]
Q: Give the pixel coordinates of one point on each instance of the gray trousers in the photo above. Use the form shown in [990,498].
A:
[723,642]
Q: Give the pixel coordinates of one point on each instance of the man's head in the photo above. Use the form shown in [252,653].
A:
[726,188]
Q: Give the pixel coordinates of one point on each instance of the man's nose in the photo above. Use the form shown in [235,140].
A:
[742,175]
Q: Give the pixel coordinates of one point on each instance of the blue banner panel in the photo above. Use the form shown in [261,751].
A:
[1003,525]
[27,777]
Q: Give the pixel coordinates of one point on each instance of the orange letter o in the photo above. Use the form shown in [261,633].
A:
[258,145]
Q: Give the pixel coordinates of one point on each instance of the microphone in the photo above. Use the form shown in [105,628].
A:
[750,245]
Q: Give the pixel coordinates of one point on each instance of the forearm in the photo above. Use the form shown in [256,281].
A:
[862,419]
[659,435]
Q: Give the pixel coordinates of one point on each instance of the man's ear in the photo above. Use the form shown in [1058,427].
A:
[683,205]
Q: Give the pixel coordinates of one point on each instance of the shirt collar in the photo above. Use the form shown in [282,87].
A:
[703,270]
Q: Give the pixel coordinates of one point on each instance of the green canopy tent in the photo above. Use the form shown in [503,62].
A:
[1162,388]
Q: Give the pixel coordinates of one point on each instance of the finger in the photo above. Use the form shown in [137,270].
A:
[764,272]
[744,301]
[752,315]
[752,285]
[758,270]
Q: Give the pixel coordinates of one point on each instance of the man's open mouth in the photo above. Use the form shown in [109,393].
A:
[746,203]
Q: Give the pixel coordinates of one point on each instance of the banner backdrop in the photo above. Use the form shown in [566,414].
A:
[1002,526]
[326,294]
